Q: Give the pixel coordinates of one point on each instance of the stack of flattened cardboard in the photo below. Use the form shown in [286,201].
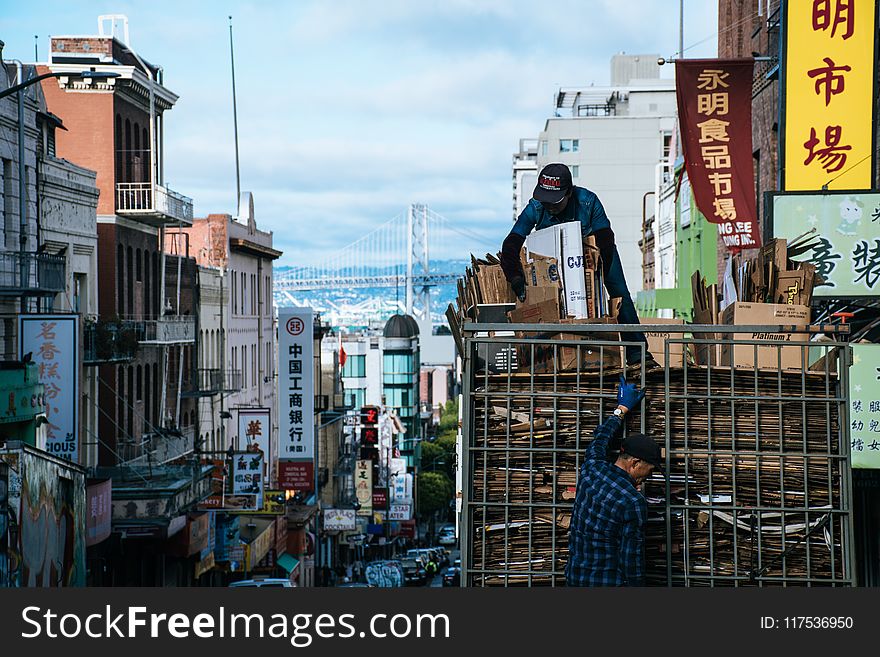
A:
[773,276]
[706,311]
[739,469]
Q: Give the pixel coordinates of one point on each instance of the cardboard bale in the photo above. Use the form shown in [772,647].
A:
[657,342]
[769,356]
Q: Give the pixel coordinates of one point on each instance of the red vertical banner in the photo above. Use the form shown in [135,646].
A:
[715,119]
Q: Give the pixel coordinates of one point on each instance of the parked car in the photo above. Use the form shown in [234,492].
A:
[263,583]
[354,585]
[446,535]
[452,576]
[413,572]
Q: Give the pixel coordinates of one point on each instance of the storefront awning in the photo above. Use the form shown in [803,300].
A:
[288,562]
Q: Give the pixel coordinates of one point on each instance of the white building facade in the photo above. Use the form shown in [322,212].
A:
[613,139]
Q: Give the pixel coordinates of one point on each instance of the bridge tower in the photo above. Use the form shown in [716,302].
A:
[418,296]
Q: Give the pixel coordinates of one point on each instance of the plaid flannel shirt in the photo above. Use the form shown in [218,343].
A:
[606,536]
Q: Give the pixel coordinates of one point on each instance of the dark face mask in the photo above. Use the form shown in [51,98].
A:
[557,208]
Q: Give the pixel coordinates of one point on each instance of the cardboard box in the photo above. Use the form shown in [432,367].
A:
[536,313]
[791,288]
[564,243]
[657,342]
[770,356]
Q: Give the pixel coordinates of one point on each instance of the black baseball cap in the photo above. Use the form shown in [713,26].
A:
[554,181]
[643,447]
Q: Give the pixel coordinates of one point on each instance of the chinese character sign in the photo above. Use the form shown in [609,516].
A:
[864,412]
[296,390]
[247,476]
[53,342]
[715,116]
[254,431]
[363,486]
[847,250]
[829,82]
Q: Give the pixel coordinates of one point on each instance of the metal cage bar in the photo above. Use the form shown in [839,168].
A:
[757,488]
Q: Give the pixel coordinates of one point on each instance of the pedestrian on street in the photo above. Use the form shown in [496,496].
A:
[431,568]
[606,535]
[556,200]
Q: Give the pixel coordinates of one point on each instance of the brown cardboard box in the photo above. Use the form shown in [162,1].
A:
[657,342]
[768,356]
[570,349]
[791,288]
[537,313]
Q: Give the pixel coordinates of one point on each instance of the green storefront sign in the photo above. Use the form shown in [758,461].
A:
[848,227]
[864,412]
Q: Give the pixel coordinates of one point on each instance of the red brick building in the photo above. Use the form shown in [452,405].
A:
[115,127]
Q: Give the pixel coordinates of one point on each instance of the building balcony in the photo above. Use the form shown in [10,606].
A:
[170,329]
[153,204]
[209,382]
[164,446]
[110,341]
[31,274]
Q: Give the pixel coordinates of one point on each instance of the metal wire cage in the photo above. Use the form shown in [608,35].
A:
[756,490]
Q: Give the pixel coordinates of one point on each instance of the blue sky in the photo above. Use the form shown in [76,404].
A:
[352,109]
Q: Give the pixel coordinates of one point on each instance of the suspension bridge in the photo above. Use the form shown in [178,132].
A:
[396,254]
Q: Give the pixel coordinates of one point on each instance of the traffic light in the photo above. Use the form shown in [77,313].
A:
[369,425]
[369,416]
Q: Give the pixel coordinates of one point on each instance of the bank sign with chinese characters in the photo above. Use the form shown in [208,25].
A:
[847,251]
[864,412]
[296,390]
[829,88]
[53,342]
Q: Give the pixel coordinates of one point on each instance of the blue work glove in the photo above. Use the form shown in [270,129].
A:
[628,395]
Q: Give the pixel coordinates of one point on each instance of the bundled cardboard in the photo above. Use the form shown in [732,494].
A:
[706,311]
[657,342]
[765,356]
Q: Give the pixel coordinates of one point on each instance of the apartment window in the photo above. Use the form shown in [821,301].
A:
[569,145]
[137,267]
[8,203]
[355,366]
[575,170]
[667,145]
[147,299]
[255,357]
[234,294]
[243,292]
[685,196]
[543,147]
[120,286]
[244,367]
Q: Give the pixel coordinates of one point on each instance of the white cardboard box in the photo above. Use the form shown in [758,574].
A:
[564,242]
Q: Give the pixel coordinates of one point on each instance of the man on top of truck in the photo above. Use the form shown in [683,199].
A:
[606,535]
[556,200]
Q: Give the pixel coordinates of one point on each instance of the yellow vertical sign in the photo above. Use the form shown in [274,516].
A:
[829,87]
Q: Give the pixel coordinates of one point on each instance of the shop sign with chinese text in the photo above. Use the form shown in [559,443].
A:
[363,486]
[829,89]
[53,342]
[715,119]
[254,430]
[847,251]
[247,477]
[296,390]
[864,412]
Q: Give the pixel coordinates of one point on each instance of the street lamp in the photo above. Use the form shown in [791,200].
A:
[92,75]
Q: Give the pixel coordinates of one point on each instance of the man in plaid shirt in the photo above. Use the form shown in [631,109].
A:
[606,536]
